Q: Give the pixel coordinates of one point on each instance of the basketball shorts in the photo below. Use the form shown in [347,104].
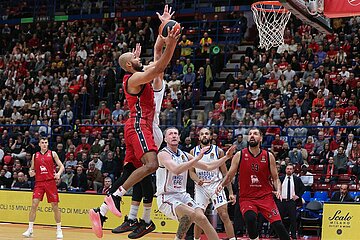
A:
[139,140]
[167,203]
[265,205]
[158,135]
[48,187]
[205,194]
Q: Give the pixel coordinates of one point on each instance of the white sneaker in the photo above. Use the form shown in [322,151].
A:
[28,233]
[59,234]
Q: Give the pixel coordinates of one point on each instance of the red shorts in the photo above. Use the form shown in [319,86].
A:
[266,206]
[48,187]
[139,140]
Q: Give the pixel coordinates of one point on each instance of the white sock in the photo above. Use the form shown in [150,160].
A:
[255,238]
[146,214]
[104,209]
[31,226]
[197,238]
[133,212]
[120,192]
[176,238]
[58,226]
[233,238]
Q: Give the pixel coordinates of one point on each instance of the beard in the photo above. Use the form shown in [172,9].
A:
[253,143]
[205,141]
[138,68]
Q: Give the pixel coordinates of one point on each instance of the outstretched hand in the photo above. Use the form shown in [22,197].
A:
[230,151]
[202,152]
[166,15]
[137,50]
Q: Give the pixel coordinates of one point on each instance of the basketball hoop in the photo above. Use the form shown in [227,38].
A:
[271,19]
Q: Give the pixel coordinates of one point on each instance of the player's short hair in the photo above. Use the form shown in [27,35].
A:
[256,129]
[165,131]
[44,138]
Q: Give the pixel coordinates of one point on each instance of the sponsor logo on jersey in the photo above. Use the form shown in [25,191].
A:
[254,179]
[354,3]
[263,160]
[212,156]
[183,157]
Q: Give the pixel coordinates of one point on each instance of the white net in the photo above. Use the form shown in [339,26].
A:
[271,19]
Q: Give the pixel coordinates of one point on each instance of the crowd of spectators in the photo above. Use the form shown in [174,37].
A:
[62,79]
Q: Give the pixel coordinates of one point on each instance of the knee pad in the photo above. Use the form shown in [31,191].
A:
[137,193]
[280,230]
[147,190]
[251,224]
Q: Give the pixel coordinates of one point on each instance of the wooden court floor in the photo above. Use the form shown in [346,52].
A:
[10,231]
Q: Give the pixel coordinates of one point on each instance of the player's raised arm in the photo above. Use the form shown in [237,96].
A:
[216,164]
[166,160]
[231,173]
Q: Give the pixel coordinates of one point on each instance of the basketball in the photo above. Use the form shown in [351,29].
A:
[163,29]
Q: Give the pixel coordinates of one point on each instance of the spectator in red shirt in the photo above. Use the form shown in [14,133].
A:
[34,42]
[309,145]
[314,46]
[332,53]
[319,101]
[277,145]
[338,110]
[351,110]
[103,112]
[83,147]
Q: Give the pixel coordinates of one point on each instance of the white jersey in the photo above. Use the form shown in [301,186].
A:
[158,98]
[167,182]
[209,156]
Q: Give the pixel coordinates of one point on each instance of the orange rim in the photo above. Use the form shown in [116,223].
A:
[258,7]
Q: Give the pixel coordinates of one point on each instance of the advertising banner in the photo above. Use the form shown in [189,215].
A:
[344,8]
[15,207]
[341,221]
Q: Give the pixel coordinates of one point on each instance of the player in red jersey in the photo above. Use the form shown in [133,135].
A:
[43,168]
[256,168]
[140,159]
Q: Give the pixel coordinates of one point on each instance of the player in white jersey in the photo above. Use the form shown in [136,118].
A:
[171,179]
[207,182]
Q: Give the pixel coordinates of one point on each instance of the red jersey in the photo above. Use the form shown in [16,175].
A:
[351,110]
[44,166]
[141,105]
[254,175]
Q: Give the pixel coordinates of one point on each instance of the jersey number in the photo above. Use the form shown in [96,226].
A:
[219,199]
[255,167]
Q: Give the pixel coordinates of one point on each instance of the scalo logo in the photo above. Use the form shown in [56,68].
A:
[354,2]
[338,217]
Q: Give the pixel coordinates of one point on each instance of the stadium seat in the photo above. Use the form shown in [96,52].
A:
[311,218]
[322,187]
[306,196]
[353,187]
[344,178]
[354,194]
[318,168]
[321,196]
[336,187]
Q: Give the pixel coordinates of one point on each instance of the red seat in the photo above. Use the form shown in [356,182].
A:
[336,187]
[318,168]
[353,187]
[322,187]
[344,178]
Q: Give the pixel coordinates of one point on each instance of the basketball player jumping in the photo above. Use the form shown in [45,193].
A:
[43,168]
[171,178]
[256,167]
[140,159]
[144,189]
[207,181]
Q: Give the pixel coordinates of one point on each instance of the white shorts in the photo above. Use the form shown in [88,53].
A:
[205,194]
[167,203]
[158,135]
